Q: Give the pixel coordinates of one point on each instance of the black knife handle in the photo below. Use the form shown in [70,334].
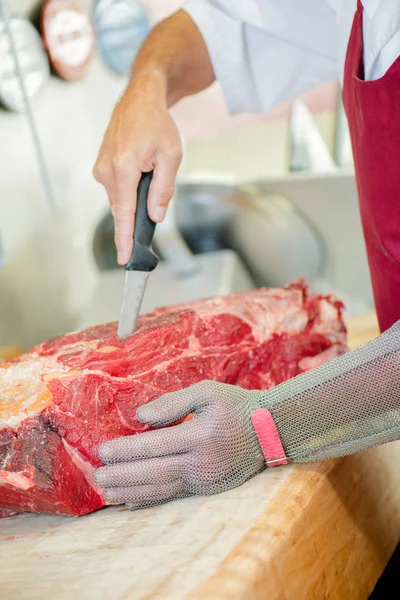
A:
[142,257]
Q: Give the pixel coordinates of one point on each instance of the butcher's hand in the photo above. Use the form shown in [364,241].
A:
[141,137]
[214,451]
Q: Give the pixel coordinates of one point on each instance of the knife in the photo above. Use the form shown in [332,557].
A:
[141,263]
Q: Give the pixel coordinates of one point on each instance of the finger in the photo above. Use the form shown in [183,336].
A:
[150,444]
[162,186]
[172,407]
[155,470]
[144,495]
[103,172]
[123,208]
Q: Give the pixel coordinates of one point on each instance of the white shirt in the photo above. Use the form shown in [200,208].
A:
[267,51]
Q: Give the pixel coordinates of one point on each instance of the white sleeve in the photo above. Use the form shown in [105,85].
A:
[267,51]
[381,32]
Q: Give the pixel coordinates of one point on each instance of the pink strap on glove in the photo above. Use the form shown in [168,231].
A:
[268,437]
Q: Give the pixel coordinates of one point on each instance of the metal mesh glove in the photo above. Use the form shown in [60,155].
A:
[216,450]
[349,404]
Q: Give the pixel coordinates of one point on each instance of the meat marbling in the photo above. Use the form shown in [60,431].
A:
[65,397]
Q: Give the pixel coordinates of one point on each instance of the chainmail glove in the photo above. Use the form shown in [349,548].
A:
[349,404]
[216,450]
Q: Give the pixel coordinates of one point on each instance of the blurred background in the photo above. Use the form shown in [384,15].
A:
[260,200]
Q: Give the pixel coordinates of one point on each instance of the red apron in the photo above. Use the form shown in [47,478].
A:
[373,112]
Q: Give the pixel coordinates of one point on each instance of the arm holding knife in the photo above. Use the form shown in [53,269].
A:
[142,137]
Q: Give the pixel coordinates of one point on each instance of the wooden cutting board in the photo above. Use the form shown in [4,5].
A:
[314,531]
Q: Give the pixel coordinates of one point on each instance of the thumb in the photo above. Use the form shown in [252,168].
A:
[172,407]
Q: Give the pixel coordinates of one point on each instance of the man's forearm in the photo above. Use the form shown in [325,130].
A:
[174,59]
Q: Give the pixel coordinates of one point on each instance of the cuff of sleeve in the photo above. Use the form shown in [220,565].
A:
[268,437]
[223,37]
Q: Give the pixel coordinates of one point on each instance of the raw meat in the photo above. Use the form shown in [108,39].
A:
[60,401]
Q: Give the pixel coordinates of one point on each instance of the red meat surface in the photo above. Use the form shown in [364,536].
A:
[67,396]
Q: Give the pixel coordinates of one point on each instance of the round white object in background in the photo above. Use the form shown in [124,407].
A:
[121,26]
[32,60]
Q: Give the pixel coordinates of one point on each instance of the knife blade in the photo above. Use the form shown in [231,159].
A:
[141,263]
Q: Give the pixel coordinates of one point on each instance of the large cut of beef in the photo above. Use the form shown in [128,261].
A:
[60,401]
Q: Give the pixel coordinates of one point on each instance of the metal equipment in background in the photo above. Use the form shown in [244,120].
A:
[204,212]
[307,148]
[24,73]
[329,203]
[275,240]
